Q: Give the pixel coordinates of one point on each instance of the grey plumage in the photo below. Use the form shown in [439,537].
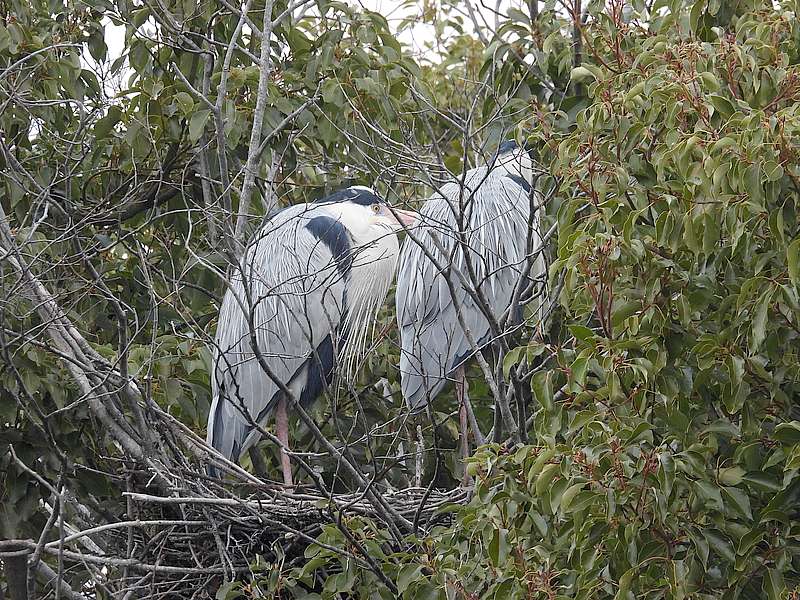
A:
[308,284]
[496,219]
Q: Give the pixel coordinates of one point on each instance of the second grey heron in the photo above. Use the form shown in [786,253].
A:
[487,252]
[306,292]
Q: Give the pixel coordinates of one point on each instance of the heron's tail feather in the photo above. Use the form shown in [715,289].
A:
[419,388]
[227,431]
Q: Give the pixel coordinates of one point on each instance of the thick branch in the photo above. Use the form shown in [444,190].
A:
[253,153]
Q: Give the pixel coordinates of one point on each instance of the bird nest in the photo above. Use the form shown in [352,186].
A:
[185,535]
[181,534]
[187,546]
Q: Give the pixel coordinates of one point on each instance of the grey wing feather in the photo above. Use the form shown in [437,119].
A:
[433,342]
[296,293]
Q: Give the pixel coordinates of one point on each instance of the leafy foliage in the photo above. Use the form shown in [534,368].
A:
[665,466]
[661,458]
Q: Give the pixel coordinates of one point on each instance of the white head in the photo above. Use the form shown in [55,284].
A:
[516,160]
[365,214]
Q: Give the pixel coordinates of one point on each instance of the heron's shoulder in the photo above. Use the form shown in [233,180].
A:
[300,211]
[285,224]
[473,184]
[500,183]
[295,216]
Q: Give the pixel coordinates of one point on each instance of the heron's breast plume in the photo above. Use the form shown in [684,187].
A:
[373,268]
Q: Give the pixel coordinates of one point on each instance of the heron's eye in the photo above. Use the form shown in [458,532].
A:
[376,208]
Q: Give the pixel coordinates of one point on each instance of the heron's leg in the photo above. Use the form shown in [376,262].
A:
[282,433]
[463,423]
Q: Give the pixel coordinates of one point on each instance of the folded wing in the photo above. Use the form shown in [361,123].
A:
[283,311]
[434,343]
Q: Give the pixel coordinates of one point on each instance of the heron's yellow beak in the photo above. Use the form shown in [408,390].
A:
[405,217]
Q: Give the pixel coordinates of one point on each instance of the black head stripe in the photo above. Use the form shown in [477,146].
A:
[356,195]
[335,236]
[520,181]
[339,196]
[365,197]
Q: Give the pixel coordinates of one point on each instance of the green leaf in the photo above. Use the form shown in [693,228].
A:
[503,590]
[173,390]
[787,433]
[104,126]
[690,234]
[709,81]
[625,584]
[773,170]
[774,585]
[722,105]
[719,544]
[641,431]
[677,581]
[697,11]
[722,143]
[97,45]
[666,473]
[752,182]
[748,541]
[582,333]
[542,459]
[569,494]
[759,325]
[5,38]
[499,547]
[408,574]
[542,388]
[547,475]
[578,369]
[511,359]
[185,102]
[332,93]
[731,475]
[229,590]
[425,591]
[140,16]
[701,544]
[709,493]
[737,500]
[762,482]
[793,260]
[370,87]
[139,56]
[580,74]
[197,124]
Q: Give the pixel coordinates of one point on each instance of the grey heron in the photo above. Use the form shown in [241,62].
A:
[494,208]
[308,288]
